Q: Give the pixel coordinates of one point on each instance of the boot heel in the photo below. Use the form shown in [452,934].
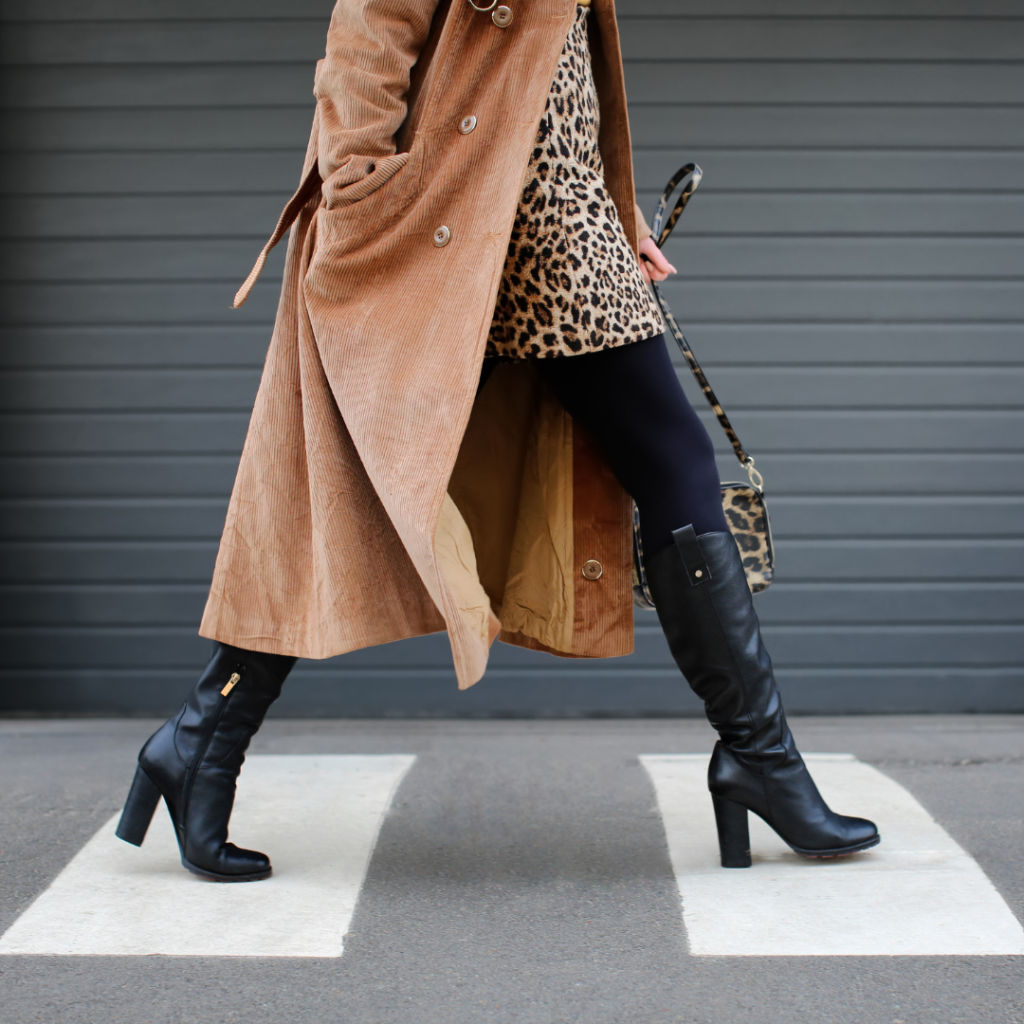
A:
[733,832]
[138,809]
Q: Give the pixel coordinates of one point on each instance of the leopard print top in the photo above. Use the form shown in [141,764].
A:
[571,283]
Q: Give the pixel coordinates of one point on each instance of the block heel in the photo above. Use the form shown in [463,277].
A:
[138,809]
[733,832]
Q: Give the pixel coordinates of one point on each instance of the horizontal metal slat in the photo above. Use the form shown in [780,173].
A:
[202,389]
[743,301]
[220,172]
[120,476]
[797,560]
[841,603]
[80,87]
[793,518]
[104,433]
[784,387]
[792,647]
[250,218]
[821,344]
[85,605]
[272,170]
[749,38]
[121,347]
[702,125]
[764,431]
[820,169]
[177,129]
[803,81]
[164,259]
[327,689]
[180,476]
[167,42]
[767,38]
[899,127]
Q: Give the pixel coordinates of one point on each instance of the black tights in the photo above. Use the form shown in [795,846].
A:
[631,403]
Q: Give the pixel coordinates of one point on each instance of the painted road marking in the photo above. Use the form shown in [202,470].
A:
[917,894]
[316,816]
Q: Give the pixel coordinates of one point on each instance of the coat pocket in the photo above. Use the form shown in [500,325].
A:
[359,177]
[372,204]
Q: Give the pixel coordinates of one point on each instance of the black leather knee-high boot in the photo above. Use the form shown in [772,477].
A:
[193,760]
[706,611]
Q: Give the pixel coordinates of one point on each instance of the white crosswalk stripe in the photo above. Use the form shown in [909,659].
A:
[918,893]
[317,816]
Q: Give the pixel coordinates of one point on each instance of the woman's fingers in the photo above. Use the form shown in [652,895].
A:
[653,263]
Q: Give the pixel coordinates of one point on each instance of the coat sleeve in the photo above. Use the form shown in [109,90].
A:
[361,86]
[642,228]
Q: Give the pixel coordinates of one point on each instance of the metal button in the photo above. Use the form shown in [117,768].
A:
[467,124]
[582,3]
[502,17]
[593,569]
[698,573]
[442,236]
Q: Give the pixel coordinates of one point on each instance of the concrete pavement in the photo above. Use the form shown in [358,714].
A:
[521,875]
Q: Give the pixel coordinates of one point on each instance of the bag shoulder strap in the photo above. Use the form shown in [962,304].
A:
[689,177]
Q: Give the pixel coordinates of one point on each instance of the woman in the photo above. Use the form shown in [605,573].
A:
[465,386]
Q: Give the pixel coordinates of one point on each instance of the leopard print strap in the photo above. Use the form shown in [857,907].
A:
[689,177]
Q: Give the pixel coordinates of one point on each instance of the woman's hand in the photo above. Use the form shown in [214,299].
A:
[654,267]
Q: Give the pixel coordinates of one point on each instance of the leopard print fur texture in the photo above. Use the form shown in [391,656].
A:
[571,283]
[747,516]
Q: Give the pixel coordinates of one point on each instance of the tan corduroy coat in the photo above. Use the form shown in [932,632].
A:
[377,497]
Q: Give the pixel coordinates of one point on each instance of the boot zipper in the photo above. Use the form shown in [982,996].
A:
[193,768]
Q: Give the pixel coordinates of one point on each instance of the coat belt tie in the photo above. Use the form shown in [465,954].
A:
[311,185]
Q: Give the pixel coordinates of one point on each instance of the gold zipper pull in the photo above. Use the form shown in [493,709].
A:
[231,684]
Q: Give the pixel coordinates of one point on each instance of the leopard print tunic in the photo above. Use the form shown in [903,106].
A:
[571,283]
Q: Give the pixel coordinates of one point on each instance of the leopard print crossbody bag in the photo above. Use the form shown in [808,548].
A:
[743,503]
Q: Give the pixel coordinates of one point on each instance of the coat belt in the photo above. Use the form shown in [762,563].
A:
[311,185]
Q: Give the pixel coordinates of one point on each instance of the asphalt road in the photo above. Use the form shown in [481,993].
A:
[521,876]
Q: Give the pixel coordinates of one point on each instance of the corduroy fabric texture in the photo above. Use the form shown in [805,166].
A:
[359,435]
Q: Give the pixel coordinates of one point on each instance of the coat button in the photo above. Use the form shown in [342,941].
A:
[502,17]
[467,124]
[442,236]
[593,569]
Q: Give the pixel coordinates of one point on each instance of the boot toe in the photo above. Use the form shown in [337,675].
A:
[847,835]
[236,861]
[859,831]
[232,864]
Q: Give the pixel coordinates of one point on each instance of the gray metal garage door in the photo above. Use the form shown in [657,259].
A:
[852,270]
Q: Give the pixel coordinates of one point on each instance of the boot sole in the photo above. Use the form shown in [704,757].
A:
[213,876]
[841,851]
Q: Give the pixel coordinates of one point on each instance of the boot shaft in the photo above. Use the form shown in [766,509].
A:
[228,704]
[707,614]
